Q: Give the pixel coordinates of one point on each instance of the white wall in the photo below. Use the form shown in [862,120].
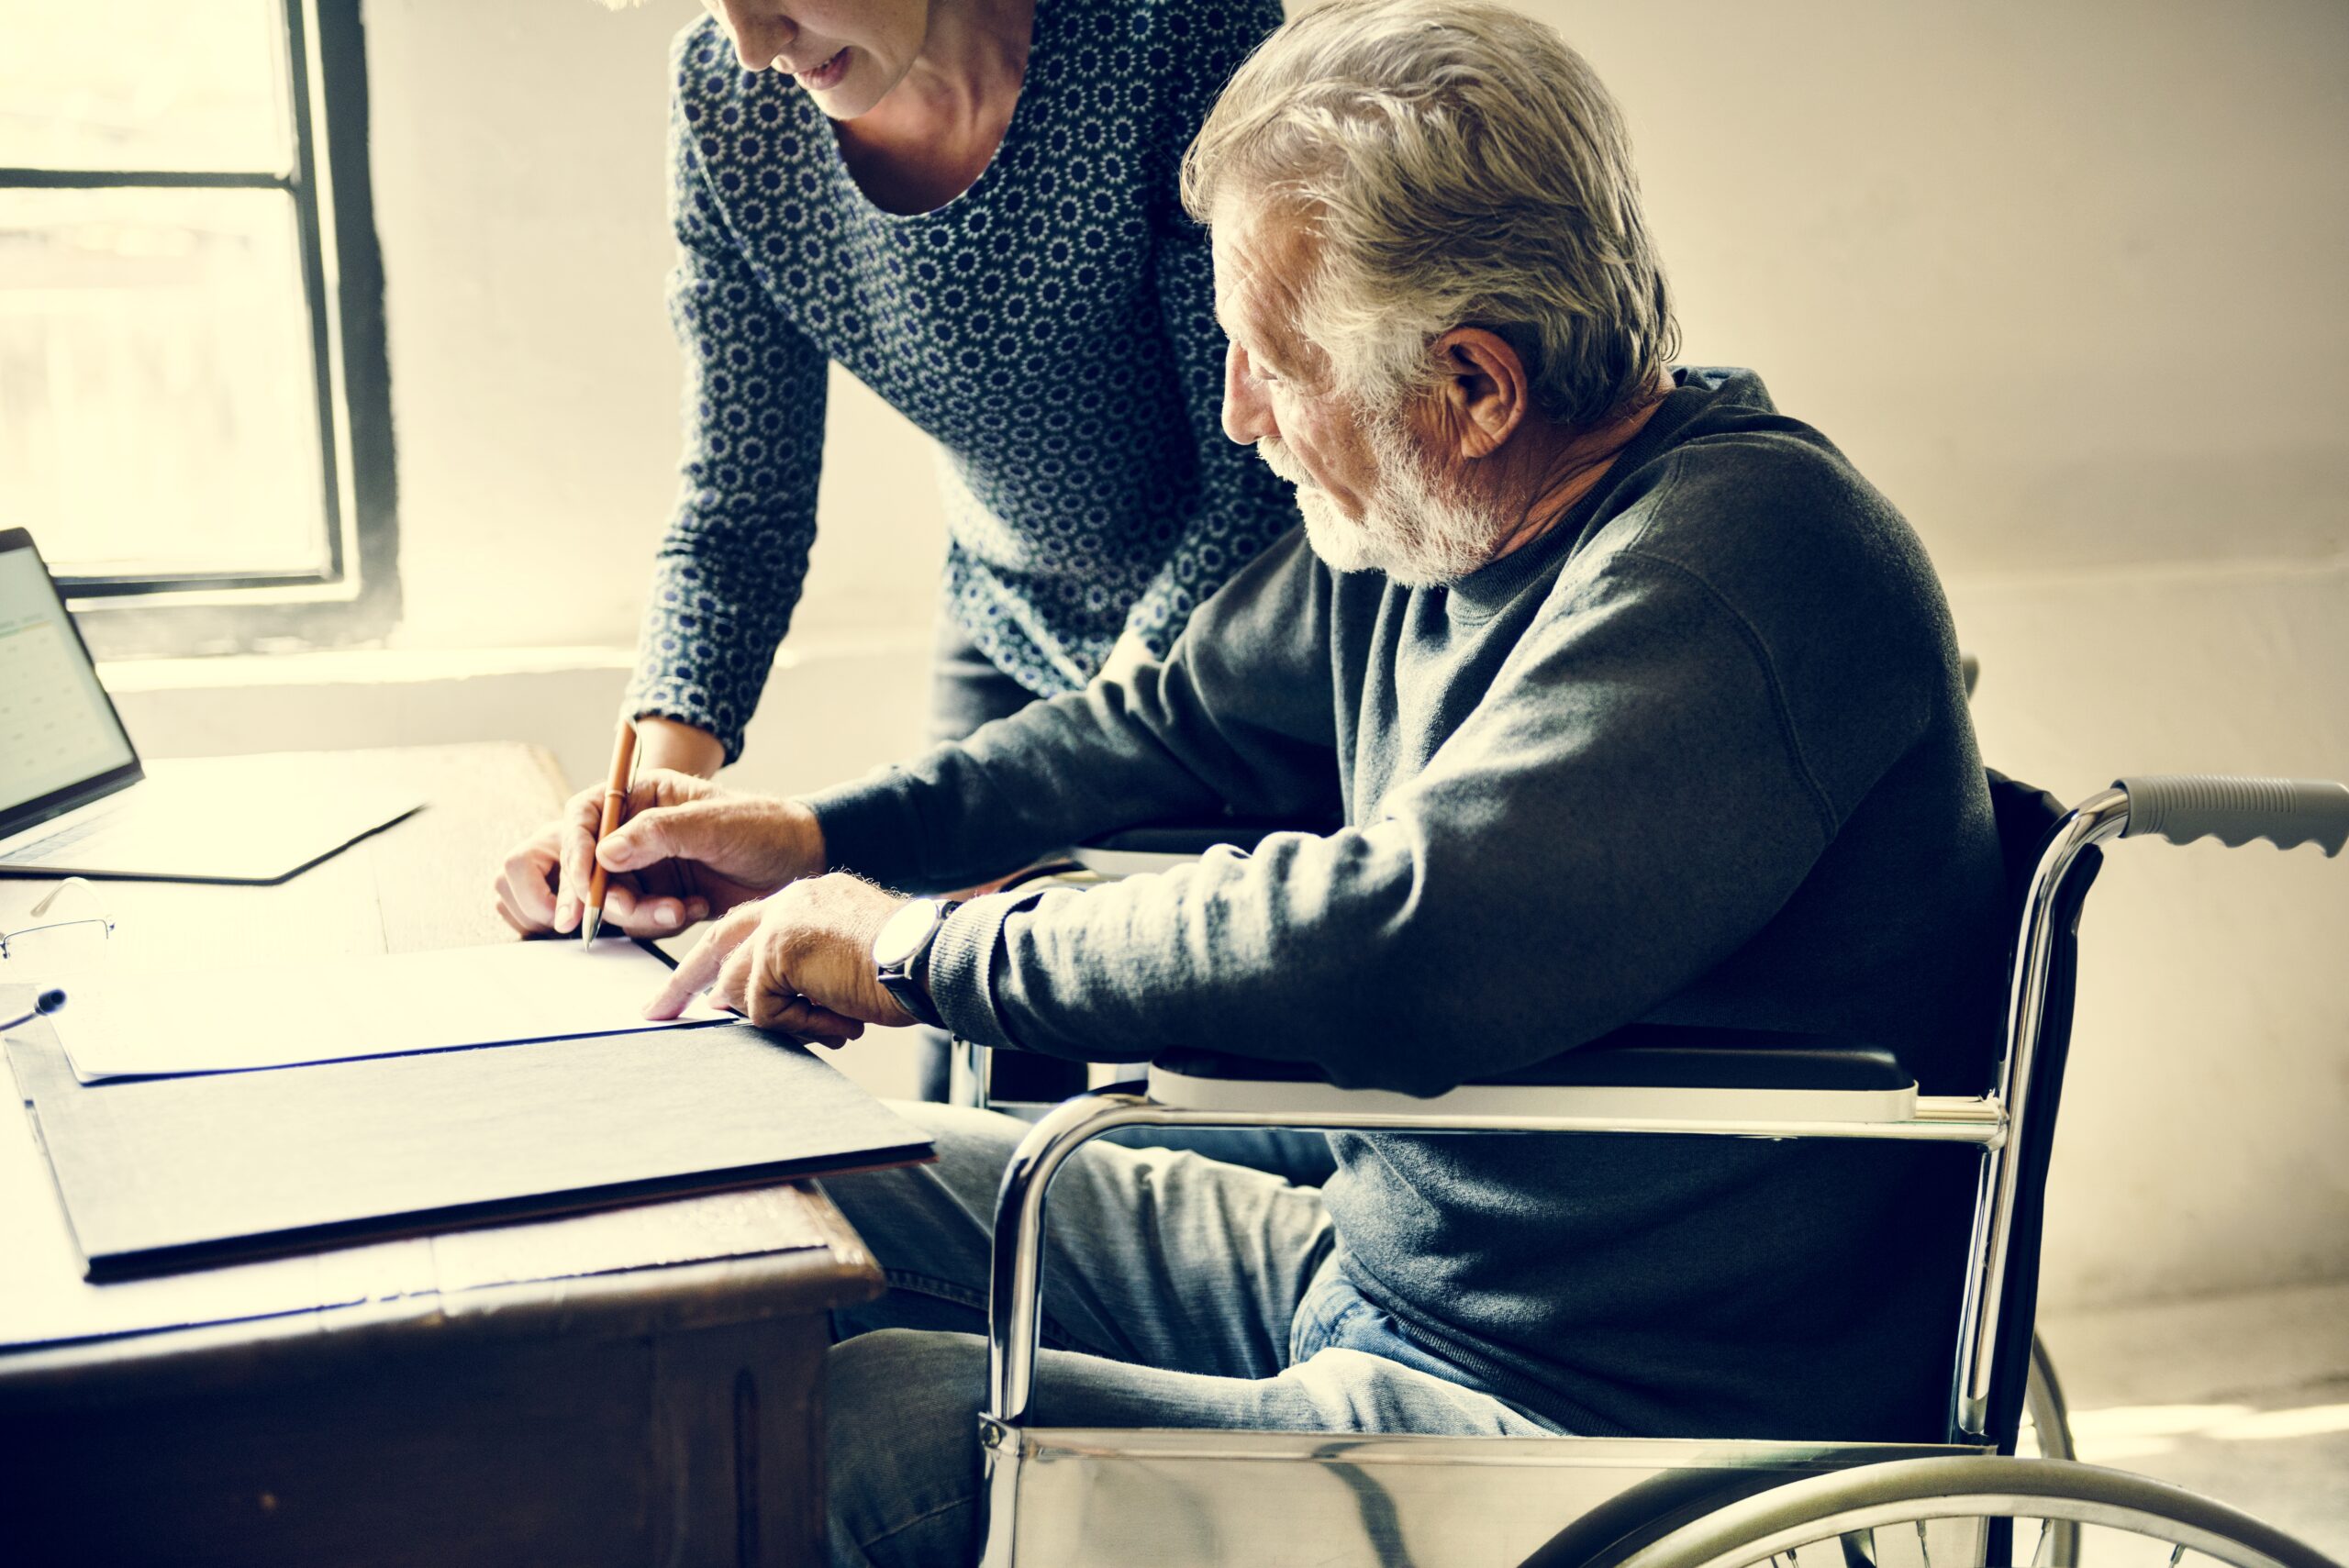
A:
[519,189]
[2064,281]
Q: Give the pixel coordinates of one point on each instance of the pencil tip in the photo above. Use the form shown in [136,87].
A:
[588,926]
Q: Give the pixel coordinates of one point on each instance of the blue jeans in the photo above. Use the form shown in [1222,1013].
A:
[1179,1291]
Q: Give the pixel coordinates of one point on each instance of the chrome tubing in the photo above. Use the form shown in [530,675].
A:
[1939,1119]
[2103,815]
[1015,1278]
[1015,1281]
[966,1074]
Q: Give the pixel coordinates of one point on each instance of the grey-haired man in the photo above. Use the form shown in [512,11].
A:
[1639,704]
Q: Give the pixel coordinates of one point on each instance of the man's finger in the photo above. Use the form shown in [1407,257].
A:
[700,967]
[664,832]
[777,1008]
[655,785]
[731,990]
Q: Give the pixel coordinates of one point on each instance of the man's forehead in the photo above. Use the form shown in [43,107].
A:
[1257,257]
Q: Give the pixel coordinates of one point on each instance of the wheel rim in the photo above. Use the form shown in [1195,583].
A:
[1825,1510]
[1985,1506]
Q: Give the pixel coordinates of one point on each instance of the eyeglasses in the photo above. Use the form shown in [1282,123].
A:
[56,947]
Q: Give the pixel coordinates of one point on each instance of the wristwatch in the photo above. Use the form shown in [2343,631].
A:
[898,952]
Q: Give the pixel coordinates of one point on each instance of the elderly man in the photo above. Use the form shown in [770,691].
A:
[1639,704]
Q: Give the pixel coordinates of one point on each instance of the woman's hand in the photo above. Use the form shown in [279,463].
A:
[800,961]
[688,849]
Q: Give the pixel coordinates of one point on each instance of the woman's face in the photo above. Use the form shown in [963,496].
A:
[846,54]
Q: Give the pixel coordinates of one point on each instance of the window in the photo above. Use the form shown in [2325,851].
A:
[194,416]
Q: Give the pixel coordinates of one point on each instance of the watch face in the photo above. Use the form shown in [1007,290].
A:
[903,934]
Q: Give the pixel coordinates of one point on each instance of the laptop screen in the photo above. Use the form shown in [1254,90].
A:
[58,729]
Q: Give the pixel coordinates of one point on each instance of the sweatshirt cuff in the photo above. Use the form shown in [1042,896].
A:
[961,967]
[870,826]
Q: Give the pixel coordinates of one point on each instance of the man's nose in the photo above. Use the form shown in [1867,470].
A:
[760,33]
[1247,411]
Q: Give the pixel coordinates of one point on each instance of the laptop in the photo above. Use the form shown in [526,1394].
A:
[76,801]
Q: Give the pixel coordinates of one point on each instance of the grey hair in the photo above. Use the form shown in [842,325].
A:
[1459,165]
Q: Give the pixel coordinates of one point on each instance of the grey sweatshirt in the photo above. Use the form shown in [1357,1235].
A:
[1700,755]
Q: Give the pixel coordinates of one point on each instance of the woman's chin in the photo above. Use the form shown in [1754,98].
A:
[846,90]
[850,100]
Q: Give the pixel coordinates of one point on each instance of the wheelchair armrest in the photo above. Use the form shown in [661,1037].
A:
[1642,1056]
[1161,846]
[1641,1073]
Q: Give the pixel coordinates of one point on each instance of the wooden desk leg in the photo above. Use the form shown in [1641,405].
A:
[738,1432]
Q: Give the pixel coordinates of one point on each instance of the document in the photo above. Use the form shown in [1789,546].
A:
[154,1024]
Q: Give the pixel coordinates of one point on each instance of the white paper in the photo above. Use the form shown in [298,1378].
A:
[282,1015]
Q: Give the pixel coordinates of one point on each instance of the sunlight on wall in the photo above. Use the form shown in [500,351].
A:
[2141,1431]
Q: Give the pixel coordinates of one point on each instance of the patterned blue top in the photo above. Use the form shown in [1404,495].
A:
[1052,327]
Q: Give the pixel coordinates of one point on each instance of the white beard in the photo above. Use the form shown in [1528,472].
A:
[1415,531]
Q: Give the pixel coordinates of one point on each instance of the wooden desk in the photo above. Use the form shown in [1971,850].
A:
[642,1385]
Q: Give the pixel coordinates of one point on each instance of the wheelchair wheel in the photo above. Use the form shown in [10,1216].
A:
[2047,1434]
[1945,1513]
[2047,1420]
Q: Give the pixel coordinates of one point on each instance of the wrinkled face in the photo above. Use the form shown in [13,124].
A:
[846,54]
[1373,492]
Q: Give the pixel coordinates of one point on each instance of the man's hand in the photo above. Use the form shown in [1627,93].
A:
[687,851]
[800,961]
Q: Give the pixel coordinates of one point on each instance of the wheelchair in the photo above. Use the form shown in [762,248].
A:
[1174,1498]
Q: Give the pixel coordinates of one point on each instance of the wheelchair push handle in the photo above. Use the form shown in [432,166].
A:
[2183,807]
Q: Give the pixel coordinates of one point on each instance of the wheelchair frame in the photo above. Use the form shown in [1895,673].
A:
[1069,1495]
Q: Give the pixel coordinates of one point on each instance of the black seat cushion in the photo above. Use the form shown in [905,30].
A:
[1197,837]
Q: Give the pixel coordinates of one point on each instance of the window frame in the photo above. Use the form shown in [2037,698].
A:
[355,596]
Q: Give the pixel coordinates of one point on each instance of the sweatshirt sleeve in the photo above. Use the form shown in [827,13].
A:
[1238,718]
[1627,807]
[730,567]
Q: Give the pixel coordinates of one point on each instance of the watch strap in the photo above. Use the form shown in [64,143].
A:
[903,980]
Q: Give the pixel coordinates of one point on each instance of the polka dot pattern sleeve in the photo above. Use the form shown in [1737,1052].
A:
[729,568]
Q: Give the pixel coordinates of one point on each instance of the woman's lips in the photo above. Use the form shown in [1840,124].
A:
[825,75]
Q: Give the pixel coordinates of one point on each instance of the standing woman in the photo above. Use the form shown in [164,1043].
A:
[971,205]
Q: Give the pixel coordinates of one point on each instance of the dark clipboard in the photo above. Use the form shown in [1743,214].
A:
[166,1174]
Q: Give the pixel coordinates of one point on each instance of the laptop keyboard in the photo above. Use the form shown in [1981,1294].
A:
[50,846]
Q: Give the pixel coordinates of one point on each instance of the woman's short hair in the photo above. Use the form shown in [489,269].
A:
[1458,165]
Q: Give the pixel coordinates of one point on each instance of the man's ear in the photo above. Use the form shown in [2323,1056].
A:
[1481,388]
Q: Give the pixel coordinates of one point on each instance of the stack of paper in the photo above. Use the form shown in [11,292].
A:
[151,1024]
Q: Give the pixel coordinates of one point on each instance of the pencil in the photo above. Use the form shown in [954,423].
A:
[615,808]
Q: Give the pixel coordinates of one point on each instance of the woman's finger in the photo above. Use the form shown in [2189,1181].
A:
[526,881]
[578,861]
[632,909]
[643,914]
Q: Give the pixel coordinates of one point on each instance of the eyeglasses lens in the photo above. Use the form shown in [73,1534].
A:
[55,951]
